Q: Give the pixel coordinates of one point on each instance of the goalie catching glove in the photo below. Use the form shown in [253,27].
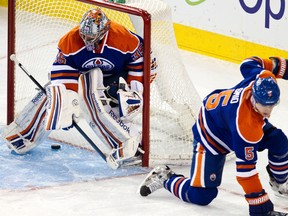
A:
[130,100]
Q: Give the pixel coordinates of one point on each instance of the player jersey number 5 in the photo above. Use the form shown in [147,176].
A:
[214,100]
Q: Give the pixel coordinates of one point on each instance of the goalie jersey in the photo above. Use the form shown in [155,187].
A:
[227,122]
[120,53]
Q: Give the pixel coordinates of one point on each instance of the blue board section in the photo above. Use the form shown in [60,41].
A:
[44,167]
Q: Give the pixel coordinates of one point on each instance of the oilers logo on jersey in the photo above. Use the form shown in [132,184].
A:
[98,62]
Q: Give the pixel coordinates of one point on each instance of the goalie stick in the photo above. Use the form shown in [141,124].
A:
[108,159]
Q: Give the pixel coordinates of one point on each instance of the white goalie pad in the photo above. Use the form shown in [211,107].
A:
[28,129]
[62,107]
[117,135]
[127,150]
[130,100]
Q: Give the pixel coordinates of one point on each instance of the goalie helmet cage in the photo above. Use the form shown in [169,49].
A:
[170,102]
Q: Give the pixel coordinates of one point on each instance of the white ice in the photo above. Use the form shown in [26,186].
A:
[117,196]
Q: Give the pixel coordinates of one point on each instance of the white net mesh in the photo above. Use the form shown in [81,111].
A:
[174,101]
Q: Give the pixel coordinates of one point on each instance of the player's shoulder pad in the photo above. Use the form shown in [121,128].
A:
[71,42]
[122,39]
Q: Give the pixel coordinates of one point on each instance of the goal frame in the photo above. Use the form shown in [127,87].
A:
[146,17]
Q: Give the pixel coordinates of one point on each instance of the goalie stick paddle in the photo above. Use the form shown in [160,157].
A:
[108,159]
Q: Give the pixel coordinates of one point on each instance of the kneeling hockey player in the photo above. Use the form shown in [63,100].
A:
[235,119]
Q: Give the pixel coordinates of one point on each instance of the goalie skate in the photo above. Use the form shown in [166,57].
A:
[134,161]
[155,180]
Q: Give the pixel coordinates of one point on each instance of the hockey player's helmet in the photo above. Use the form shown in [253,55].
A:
[93,26]
[266,91]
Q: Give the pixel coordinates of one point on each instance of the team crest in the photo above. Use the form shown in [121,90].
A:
[101,63]
[213,177]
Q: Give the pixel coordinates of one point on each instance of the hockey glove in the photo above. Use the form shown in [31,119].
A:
[280,69]
[130,101]
[259,203]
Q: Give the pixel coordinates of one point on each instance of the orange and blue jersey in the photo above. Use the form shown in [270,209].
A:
[120,53]
[228,122]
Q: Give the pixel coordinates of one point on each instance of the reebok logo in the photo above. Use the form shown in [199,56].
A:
[119,121]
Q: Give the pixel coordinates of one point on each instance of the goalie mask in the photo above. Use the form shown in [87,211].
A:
[93,27]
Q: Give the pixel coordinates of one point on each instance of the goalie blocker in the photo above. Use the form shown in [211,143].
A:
[56,110]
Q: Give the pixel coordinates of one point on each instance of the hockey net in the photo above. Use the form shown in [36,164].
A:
[174,103]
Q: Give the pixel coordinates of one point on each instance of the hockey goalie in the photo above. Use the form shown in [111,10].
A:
[97,75]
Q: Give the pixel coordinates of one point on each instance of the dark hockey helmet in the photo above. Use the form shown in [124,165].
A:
[93,26]
[266,91]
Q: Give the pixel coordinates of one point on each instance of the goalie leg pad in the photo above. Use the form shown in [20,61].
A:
[103,120]
[27,130]
[94,101]
[128,149]
[62,107]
